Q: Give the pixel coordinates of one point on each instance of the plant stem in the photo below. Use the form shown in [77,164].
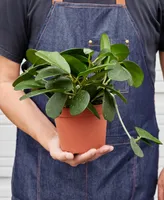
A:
[105,77]
[138,138]
[107,82]
[119,116]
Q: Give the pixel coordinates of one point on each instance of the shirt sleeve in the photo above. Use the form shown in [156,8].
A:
[161,43]
[13,29]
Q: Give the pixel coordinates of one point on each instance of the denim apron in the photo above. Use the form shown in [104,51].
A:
[118,175]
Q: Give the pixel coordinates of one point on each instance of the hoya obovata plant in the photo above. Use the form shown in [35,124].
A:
[75,80]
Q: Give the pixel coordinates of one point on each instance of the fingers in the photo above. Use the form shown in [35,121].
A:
[82,158]
[58,154]
[102,151]
[67,157]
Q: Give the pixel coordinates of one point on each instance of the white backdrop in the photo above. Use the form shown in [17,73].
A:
[8,138]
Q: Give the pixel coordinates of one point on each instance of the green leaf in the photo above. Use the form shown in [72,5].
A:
[135,71]
[29,84]
[75,51]
[118,93]
[76,65]
[39,92]
[93,110]
[33,58]
[35,69]
[63,83]
[109,109]
[103,55]
[100,93]
[88,51]
[28,74]
[144,134]
[92,90]
[105,42]
[79,102]
[121,51]
[81,58]
[97,76]
[119,73]
[93,69]
[55,105]
[49,72]
[23,77]
[137,150]
[146,141]
[55,59]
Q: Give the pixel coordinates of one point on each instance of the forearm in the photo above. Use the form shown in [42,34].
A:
[25,115]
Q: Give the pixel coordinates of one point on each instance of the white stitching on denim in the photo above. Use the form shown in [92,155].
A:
[134,177]
[86,181]
[38,174]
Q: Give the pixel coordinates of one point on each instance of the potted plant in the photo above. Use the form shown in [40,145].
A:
[81,94]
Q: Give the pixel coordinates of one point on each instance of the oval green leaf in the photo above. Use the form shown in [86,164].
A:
[76,65]
[79,102]
[49,72]
[93,110]
[105,42]
[54,58]
[39,92]
[88,51]
[30,84]
[119,73]
[75,51]
[33,58]
[135,71]
[63,83]
[94,69]
[121,51]
[118,93]
[136,148]
[144,134]
[23,77]
[55,105]
[109,109]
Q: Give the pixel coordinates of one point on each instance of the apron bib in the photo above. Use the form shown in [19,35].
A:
[117,175]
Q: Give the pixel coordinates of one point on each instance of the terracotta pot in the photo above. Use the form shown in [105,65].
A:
[80,133]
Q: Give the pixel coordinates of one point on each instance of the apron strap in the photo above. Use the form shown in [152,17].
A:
[122,2]
[53,1]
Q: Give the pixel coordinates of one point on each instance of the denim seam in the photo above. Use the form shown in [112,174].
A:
[42,31]
[141,45]
[69,6]
[87,5]
[134,177]
[38,174]
[86,181]
[121,143]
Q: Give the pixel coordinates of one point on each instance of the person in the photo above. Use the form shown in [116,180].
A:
[42,171]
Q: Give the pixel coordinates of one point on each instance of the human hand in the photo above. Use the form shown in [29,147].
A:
[69,158]
[161,186]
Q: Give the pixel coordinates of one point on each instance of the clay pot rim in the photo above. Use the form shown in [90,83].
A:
[86,113]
